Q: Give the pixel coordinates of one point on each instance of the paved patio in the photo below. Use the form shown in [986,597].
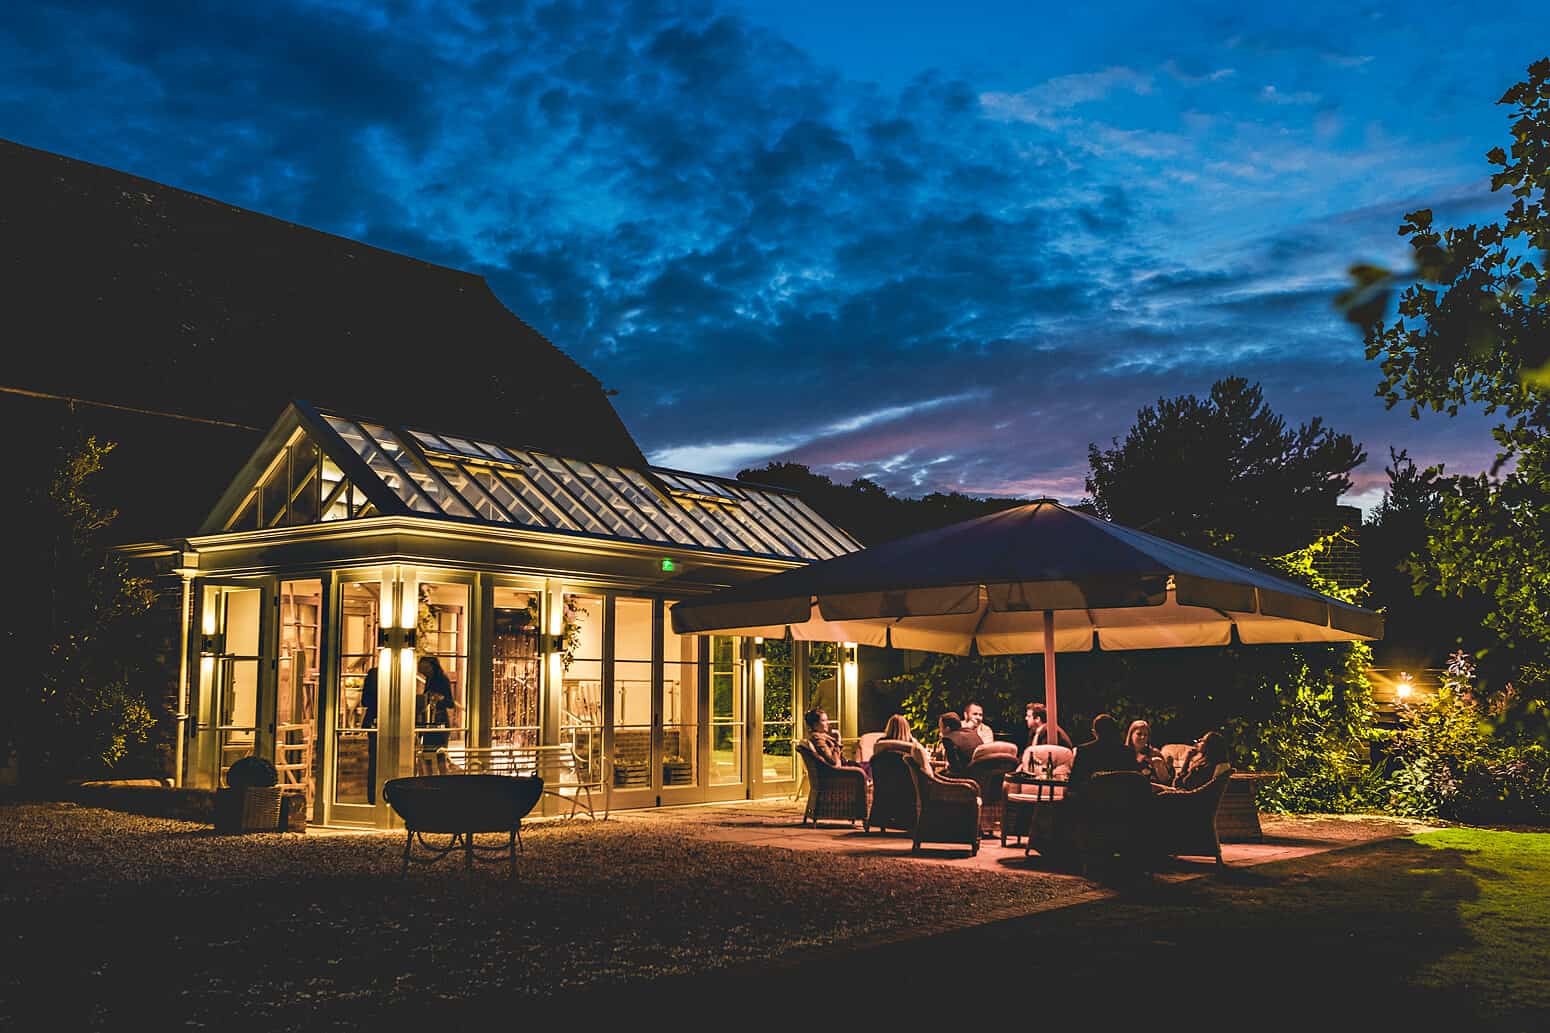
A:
[778,823]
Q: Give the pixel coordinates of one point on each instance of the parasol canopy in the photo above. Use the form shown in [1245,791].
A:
[1037,578]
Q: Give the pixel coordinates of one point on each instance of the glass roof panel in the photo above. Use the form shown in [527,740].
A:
[472,492]
[826,548]
[386,470]
[706,487]
[845,542]
[635,522]
[468,448]
[496,452]
[429,483]
[701,512]
[726,516]
[664,529]
[430,441]
[776,526]
[671,509]
[573,486]
[502,493]
[544,483]
[753,525]
[805,545]
[548,511]
[478,480]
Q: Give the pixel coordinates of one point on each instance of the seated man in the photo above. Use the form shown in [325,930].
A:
[974,721]
[826,744]
[1038,728]
[1106,751]
[958,743]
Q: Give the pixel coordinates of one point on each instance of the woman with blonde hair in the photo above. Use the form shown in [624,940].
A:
[897,730]
[1149,760]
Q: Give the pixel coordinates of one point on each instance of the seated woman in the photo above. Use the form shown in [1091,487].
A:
[898,730]
[1149,760]
[1200,763]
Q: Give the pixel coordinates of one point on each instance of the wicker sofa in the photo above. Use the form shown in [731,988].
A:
[949,808]
[833,794]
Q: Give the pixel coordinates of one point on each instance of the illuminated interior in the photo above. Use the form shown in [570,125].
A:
[371,601]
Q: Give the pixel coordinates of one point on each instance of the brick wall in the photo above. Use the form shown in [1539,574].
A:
[1343,562]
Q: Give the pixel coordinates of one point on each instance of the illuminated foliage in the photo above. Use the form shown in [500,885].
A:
[72,705]
[1473,330]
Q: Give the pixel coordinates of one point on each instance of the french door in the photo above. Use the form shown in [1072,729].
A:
[233,694]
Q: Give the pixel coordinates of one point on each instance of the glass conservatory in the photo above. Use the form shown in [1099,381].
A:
[369,600]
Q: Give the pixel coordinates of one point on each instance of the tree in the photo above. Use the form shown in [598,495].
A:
[1473,329]
[1223,473]
[71,705]
[1422,627]
[866,510]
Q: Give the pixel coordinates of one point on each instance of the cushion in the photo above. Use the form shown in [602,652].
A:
[993,749]
[1061,755]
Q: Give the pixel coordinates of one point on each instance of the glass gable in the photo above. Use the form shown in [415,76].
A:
[301,486]
[437,474]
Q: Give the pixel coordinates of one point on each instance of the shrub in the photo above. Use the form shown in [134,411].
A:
[1450,760]
[251,772]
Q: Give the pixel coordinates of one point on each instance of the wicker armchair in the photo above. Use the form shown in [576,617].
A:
[833,794]
[1109,814]
[988,768]
[893,790]
[949,808]
[1184,822]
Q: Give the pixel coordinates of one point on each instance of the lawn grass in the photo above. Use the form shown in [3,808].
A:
[1507,919]
[1447,929]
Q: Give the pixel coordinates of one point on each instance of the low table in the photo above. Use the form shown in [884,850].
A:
[1017,815]
[1237,819]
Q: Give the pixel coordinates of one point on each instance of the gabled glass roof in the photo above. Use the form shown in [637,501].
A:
[427,473]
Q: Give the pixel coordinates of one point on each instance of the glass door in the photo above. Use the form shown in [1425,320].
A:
[775,689]
[228,721]
[682,704]
[296,682]
[726,711]
[637,756]
[515,668]
[441,675]
[361,687]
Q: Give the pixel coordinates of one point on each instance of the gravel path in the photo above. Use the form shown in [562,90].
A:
[111,916]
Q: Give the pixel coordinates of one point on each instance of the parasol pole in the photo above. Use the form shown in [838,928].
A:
[1053,737]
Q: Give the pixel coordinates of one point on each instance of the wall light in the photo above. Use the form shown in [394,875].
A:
[1404,688]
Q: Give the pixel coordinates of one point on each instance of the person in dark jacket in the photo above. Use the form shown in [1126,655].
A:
[1106,751]
[1038,727]
[958,743]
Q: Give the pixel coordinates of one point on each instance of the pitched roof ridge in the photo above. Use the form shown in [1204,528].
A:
[240,210]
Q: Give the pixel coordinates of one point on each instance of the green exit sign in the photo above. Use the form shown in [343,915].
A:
[668,566]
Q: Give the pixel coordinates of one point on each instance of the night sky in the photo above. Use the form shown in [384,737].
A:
[942,245]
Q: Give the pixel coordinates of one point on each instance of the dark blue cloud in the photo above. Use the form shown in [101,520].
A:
[942,279]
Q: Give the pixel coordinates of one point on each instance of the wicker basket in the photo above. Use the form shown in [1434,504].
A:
[251,809]
[293,812]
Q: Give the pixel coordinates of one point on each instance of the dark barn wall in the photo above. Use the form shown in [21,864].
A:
[191,324]
[117,289]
